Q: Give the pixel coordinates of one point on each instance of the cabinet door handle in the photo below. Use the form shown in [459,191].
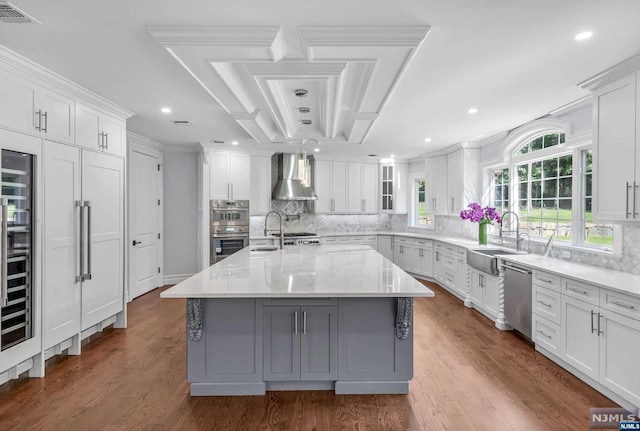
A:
[304,322]
[592,326]
[482,281]
[620,304]
[106,141]
[627,213]
[544,335]
[80,253]
[581,292]
[546,280]
[453,205]
[545,304]
[87,275]
[5,254]
[635,186]
[46,122]
[39,125]
[295,322]
[599,331]
[364,205]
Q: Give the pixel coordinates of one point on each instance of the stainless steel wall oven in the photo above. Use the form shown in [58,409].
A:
[229,230]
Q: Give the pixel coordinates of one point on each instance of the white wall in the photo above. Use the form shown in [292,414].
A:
[417,167]
[180,182]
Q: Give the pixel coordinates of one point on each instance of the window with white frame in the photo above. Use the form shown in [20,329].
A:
[419,215]
[551,191]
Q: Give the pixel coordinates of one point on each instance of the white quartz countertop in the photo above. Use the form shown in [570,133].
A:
[619,281]
[322,271]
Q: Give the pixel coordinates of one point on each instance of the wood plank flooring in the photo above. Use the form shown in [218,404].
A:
[468,375]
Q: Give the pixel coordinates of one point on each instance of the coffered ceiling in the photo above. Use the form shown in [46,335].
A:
[382,76]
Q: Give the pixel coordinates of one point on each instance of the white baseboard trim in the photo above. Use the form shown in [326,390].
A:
[175,278]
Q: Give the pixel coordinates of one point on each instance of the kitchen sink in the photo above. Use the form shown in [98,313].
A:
[484,259]
[264,248]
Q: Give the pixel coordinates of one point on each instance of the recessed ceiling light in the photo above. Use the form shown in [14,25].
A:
[166,110]
[427,140]
[583,35]
[391,155]
[234,142]
[317,150]
[472,110]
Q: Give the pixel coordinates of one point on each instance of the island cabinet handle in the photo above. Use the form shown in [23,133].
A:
[592,327]
[620,304]
[304,322]
[295,322]
[599,331]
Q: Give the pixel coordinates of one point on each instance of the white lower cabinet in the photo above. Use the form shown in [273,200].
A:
[484,292]
[593,330]
[84,242]
[414,255]
[385,246]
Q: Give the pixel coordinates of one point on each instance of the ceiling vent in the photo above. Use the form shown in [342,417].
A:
[183,123]
[12,15]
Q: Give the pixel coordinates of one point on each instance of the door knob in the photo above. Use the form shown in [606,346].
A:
[136,242]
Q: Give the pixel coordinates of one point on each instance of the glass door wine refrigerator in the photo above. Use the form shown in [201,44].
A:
[16,246]
[20,241]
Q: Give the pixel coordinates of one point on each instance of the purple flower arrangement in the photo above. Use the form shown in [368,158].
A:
[477,214]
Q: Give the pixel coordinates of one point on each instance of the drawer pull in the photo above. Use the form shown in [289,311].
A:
[581,292]
[545,335]
[546,280]
[545,304]
[620,304]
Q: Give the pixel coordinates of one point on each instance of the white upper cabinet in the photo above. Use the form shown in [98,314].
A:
[362,188]
[616,124]
[230,175]
[394,190]
[436,184]
[29,108]
[260,185]
[331,184]
[98,131]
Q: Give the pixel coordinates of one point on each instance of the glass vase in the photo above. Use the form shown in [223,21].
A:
[482,233]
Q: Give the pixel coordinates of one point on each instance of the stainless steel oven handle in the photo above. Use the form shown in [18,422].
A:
[5,253]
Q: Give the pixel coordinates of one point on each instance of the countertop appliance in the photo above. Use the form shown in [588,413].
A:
[301,238]
[517,298]
[229,228]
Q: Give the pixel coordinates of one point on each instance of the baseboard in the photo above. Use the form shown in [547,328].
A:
[175,278]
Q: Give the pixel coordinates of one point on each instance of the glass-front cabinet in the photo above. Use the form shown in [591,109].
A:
[387,187]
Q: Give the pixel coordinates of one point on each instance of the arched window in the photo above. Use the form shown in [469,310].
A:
[546,181]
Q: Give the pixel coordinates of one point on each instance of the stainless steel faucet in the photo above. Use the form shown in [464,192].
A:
[528,241]
[517,231]
[281,231]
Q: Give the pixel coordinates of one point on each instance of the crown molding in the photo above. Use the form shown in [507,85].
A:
[182,148]
[143,141]
[572,106]
[452,148]
[14,62]
[214,34]
[617,71]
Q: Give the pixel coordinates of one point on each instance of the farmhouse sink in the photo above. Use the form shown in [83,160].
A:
[484,259]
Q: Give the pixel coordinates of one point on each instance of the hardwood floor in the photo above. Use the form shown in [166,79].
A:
[468,375]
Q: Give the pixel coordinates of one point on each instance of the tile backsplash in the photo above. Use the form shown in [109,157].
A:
[301,220]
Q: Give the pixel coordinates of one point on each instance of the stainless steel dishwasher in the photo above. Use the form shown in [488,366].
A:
[517,298]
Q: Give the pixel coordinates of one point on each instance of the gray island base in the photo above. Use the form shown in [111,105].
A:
[250,346]
[302,318]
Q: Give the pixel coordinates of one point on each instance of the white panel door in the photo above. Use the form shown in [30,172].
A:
[339,185]
[322,186]
[618,370]
[579,339]
[114,132]
[218,184]
[58,123]
[61,243]
[491,295]
[143,216]
[370,187]
[355,202]
[455,176]
[615,130]
[16,108]
[103,188]
[88,127]
[239,176]
[260,185]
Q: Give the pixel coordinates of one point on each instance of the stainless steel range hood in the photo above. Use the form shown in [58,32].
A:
[294,179]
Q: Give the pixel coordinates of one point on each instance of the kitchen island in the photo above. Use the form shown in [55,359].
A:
[302,318]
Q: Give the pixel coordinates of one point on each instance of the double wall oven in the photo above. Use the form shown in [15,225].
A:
[229,230]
